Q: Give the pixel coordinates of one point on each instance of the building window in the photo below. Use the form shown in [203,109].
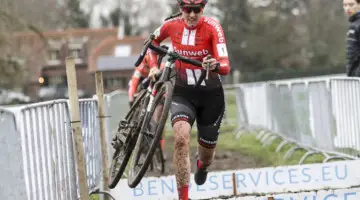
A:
[54,55]
[112,82]
[124,82]
[75,53]
[57,80]
[123,50]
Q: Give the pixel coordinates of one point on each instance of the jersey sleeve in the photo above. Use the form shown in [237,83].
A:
[135,79]
[139,72]
[162,65]
[161,34]
[219,47]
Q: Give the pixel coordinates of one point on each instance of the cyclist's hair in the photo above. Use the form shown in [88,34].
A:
[173,16]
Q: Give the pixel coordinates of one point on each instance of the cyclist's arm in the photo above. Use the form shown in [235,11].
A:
[220,49]
[160,34]
[162,65]
[135,79]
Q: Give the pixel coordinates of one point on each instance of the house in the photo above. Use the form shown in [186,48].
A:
[44,56]
[45,59]
[116,59]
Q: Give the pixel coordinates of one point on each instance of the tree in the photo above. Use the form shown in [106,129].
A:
[136,17]
[44,14]
[119,17]
[326,29]
[12,71]
[76,17]
[275,37]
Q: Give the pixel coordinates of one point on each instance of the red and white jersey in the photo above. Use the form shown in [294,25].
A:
[140,72]
[196,43]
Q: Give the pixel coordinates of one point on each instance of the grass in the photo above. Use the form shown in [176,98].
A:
[94,197]
[248,144]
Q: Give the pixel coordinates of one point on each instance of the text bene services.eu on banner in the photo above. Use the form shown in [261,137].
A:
[263,180]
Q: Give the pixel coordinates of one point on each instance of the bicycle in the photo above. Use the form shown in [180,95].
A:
[154,122]
[157,164]
[134,131]
[127,133]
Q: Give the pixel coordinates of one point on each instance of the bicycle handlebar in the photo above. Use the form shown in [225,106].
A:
[163,52]
[143,52]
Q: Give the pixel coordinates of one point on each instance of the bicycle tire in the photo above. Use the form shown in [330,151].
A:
[159,159]
[157,164]
[134,178]
[114,177]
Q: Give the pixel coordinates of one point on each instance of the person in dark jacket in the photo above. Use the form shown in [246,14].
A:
[352,10]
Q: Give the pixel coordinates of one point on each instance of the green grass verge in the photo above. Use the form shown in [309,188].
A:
[249,145]
[94,197]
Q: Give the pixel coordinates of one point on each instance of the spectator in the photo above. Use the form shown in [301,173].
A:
[352,10]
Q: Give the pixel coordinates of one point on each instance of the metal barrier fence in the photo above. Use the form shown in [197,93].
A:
[92,145]
[37,144]
[46,157]
[12,169]
[39,148]
[320,114]
[345,106]
[116,105]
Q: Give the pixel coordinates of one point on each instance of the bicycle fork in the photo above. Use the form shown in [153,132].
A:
[153,91]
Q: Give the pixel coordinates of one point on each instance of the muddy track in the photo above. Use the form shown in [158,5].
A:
[224,160]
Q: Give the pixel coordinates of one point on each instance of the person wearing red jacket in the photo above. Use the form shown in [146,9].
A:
[195,36]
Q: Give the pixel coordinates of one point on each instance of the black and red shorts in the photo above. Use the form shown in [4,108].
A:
[205,106]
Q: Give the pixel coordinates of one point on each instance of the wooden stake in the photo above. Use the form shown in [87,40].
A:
[104,149]
[76,127]
[234,184]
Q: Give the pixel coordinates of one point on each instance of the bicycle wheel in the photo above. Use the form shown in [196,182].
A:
[157,164]
[150,135]
[125,141]
[158,160]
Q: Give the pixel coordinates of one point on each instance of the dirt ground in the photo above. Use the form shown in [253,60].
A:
[224,160]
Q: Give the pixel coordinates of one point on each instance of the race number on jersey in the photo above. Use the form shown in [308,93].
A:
[222,50]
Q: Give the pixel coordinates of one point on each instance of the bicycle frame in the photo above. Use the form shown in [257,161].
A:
[152,89]
[165,76]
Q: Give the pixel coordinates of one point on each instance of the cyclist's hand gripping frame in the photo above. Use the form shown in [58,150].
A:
[173,56]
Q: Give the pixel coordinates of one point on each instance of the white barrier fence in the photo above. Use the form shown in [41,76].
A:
[321,114]
[38,151]
[11,159]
